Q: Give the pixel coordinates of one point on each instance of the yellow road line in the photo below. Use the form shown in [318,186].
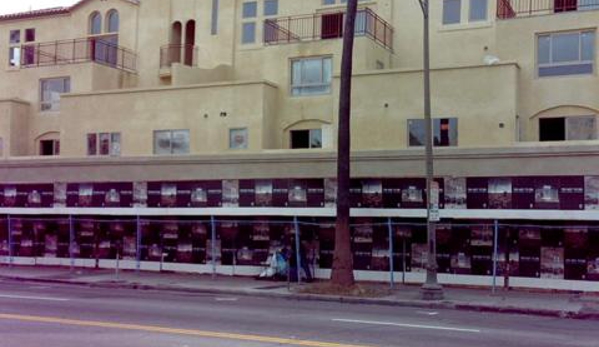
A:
[174,331]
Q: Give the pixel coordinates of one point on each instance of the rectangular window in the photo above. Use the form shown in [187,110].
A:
[14,56]
[104,144]
[271,7]
[214,23]
[571,53]
[568,128]
[452,11]
[49,147]
[445,132]
[478,10]
[15,37]
[50,92]
[250,9]
[29,35]
[238,138]
[248,34]
[311,76]
[171,142]
[311,138]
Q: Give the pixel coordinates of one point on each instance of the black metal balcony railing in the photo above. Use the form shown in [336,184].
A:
[78,51]
[526,8]
[323,26]
[178,53]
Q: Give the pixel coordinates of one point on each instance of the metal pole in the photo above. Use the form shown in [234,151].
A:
[298,258]
[403,260]
[10,250]
[71,243]
[213,246]
[430,290]
[391,267]
[138,246]
[495,241]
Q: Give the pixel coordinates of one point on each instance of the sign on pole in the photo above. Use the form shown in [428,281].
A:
[434,203]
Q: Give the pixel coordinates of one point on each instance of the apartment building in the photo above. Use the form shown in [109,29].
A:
[191,110]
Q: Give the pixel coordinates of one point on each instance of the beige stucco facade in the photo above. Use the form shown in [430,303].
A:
[229,85]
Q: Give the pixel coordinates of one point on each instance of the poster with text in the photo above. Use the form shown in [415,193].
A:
[230,193]
[591,192]
[571,193]
[500,193]
[199,196]
[455,193]
[419,257]
[391,193]
[477,191]
[263,191]
[86,194]
[298,193]
[330,192]
[10,196]
[552,262]
[140,194]
[481,236]
[372,193]
[547,193]
[168,195]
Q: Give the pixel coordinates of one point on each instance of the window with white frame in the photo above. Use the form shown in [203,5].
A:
[171,142]
[14,49]
[50,91]
[104,144]
[566,53]
[452,11]
[478,10]
[238,138]
[249,12]
[569,128]
[309,138]
[311,76]
[49,147]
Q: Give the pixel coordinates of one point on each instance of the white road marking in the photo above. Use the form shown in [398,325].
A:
[428,313]
[226,299]
[24,297]
[414,326]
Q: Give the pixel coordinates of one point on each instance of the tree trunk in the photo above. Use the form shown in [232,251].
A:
[343,272]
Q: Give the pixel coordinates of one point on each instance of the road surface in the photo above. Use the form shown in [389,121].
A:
[34,315]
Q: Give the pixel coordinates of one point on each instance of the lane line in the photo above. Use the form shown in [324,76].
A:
[226,299]
[401,325]
[25,297]
[428,313]
[173,331]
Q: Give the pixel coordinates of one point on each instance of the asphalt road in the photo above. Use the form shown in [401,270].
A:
[34,315]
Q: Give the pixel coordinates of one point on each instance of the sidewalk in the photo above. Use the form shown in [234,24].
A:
[565,305]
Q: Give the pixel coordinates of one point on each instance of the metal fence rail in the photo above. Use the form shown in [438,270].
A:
[526,8]
[323,26]
[78,51]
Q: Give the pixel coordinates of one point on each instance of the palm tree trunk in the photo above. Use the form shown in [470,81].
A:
[343,273]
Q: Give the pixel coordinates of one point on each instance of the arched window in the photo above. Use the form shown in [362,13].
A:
[95,23]
[112,21]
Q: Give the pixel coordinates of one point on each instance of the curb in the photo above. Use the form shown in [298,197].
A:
[444,304]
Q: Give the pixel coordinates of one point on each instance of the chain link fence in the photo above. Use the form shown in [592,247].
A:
[393,248]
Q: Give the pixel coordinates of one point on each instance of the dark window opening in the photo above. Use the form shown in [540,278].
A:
[49,147]
[29,35]
[306,139]
[565,5]
[332,26]
[552,129]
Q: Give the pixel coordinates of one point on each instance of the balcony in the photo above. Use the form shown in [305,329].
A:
[178,53]
[326,26]
[76,51]
[507,9]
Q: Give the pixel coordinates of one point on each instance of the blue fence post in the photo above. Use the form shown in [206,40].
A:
[71,243]
[391,262]
[138,246]
[10,249]
[495,244]
[298,258]
[213,245]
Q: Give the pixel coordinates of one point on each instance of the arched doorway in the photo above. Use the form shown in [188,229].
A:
[190,41]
